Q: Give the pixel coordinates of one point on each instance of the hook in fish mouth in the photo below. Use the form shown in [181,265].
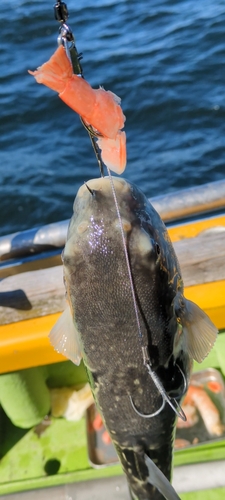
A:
[89,189]
[165,398]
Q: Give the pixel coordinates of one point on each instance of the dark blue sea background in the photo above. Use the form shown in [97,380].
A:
[164,58]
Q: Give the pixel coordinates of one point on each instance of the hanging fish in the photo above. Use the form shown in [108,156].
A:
[100,326]
[99,108]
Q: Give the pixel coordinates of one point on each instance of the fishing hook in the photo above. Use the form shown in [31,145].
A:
[93,134]
[89,189]
[66,37]
[90,129]
[178,410]
[185,382]
[149,415]
[180,414]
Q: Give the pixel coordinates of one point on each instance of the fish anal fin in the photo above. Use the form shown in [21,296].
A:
[64,337]
[199,331]
[157,479]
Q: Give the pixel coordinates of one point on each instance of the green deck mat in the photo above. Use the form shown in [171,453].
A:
[215,494]
[57,454]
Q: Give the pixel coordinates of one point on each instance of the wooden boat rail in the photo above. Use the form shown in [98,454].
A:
[171,207]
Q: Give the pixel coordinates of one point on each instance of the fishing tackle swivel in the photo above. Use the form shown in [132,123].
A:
[66,37]
[61,11]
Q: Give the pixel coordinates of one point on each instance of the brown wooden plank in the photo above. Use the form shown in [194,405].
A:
[31,294]
[202,259]
[37,293]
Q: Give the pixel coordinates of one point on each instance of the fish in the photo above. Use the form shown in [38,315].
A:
[98,108]
[100,327]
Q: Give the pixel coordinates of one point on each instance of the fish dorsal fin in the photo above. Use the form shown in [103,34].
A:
[199,331]
[64,337]
[157,479]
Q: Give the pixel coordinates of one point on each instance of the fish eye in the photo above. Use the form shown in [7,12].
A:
[158,251]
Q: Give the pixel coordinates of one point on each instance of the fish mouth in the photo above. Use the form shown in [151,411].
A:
[103,185]
[95,202]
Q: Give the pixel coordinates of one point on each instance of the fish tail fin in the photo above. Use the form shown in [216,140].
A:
[114,152]
[157,479]
[56,72]
[145,479]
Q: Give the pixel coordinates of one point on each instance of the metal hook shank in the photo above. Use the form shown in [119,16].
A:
[179,412]
[185,382]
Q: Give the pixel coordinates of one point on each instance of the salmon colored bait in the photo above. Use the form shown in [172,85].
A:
[98,107]
[114,152]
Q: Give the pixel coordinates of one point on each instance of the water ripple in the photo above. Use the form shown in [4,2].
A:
[164,58]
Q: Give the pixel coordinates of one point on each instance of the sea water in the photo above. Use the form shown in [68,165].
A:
[164,58]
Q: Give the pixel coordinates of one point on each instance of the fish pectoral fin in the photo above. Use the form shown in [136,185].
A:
[199,331]
[157,479]
[64,337]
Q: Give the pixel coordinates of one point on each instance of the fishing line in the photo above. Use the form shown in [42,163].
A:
[177,409]
[125,253]
[93,134]
[66,38]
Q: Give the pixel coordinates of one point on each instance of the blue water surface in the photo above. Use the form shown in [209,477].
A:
[165,59]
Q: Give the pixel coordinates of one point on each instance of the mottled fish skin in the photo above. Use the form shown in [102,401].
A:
[99,293]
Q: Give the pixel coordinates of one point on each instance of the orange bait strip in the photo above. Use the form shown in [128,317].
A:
[98,107]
